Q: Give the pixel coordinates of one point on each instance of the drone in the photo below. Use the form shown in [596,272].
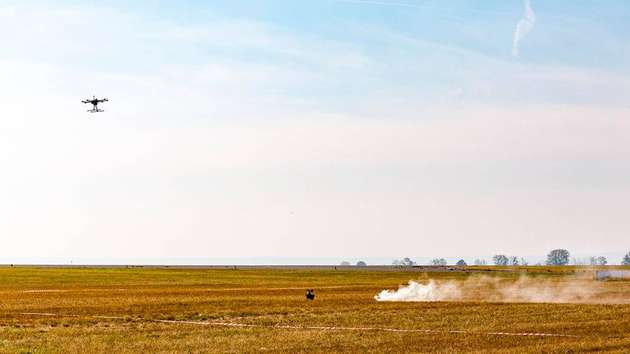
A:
[95,101]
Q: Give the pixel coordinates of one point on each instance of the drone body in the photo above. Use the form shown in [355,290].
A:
[95,101]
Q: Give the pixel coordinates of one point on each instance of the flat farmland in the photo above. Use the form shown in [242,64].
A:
[251,310]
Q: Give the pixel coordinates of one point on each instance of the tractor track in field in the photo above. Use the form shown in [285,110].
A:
[294,327]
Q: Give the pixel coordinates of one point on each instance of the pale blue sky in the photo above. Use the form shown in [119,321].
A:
[323,129]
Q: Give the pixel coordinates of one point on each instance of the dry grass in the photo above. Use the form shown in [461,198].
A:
[268,297]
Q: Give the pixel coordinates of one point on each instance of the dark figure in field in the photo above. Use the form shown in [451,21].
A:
[310,294]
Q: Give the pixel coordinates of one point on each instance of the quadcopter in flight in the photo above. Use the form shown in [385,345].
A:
[95,101]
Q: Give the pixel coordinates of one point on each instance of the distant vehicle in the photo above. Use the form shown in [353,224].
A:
[95,101]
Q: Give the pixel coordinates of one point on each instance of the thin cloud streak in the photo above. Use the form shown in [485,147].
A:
[524,26]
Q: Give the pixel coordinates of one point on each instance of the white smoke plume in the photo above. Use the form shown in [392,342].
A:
[497,289]
[419,292]
[524,26]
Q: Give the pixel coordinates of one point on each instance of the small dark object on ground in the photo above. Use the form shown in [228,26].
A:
[310,294]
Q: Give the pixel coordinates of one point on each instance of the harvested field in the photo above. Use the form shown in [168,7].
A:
[175,310]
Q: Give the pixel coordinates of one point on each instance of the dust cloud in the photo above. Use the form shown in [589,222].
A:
[500,289]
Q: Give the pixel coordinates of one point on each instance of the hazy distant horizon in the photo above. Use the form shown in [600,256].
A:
[614,258]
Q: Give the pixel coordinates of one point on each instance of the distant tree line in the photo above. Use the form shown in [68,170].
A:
[556,257]
[358,264]
[503,260]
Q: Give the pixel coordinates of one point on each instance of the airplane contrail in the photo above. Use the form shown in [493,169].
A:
[524,26]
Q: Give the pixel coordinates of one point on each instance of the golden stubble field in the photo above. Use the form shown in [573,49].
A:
[251,310]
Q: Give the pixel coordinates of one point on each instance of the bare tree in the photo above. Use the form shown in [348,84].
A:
[500,259]
[361,264]
[626,259]
[558,257]
[513,261]
[462,263]
[598,261]
[405,262]
[439,262]
[523,262]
